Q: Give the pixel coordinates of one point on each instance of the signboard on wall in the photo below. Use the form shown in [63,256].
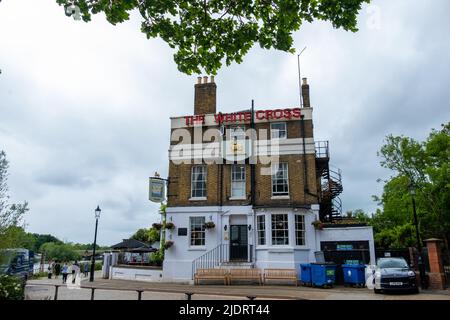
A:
[157,187]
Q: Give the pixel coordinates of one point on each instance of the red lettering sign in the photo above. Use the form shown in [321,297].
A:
[247,116]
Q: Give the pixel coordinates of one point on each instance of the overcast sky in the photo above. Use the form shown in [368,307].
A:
[84,108]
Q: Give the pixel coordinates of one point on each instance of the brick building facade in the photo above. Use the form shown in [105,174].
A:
[245,188]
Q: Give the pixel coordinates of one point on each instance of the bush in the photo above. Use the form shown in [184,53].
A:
[98,266]
[11,288]
[39,275]
[157,258]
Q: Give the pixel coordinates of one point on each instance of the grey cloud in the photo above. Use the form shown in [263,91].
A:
[85,119]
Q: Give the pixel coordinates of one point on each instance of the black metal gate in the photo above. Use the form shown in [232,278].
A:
[238,243]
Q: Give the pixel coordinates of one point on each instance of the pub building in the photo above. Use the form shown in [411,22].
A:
[253,189]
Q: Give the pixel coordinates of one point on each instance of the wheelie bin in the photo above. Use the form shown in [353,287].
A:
[305,275]
[323,274]
[354,275]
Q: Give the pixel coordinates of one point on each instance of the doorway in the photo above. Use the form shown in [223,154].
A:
[239,243]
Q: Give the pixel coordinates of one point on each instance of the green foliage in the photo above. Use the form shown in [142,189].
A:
[204,33]
[425,167]
[11,215]
[157,258]
[60,252]
[146,235]
[11,288]
[98,266]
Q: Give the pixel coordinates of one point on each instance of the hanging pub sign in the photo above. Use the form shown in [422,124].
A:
[157,187]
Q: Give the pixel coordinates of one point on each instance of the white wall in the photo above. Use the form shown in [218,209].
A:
[348,234]
[150,275]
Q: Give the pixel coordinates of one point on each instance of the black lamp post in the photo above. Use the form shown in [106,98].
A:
[97,216]
[412,192]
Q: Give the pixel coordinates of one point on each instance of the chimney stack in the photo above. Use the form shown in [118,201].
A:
[305,93]
[205,96]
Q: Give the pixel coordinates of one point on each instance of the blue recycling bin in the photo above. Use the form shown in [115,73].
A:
[305,274]
[323,274]
[354,274]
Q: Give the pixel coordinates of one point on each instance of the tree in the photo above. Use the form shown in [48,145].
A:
[11,215]
[206,32]
[59,251]
[146,235]
[426,167]
[141,235]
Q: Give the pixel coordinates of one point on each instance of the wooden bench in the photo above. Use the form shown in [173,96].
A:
[245,274]
[211,274]
[281,274]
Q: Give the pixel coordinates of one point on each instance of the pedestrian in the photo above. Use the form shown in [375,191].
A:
[65,271]
[75,269]
[57,269]
[86,269]
[49,270]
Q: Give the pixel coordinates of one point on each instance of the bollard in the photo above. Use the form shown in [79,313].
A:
[139,294]
[92,293]
[56,291]
[189,295]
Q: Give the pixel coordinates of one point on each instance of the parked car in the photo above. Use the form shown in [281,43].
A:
[394,274]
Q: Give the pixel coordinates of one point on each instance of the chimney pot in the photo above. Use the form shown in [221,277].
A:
[205,96]
[305,94]
[199,80]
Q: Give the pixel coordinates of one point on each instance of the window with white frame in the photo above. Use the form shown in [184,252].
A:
[280,179]
[198,182]
[261,229]
[238,181]
[237,132]
[197,230]
[299,230]
[280,229]
[278,130]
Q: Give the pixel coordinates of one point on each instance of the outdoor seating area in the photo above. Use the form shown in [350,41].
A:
[258,275]
[133,253]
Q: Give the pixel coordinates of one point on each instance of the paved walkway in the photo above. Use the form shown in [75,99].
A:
[126,289]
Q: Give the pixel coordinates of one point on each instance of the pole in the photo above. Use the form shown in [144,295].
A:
[91,278]
[300,77]
[419,246]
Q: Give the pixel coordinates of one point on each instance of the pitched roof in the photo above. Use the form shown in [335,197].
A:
[132,244]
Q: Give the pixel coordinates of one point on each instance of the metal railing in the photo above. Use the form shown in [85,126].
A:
[212,259]
[322,149]
[188,294]
[216,257]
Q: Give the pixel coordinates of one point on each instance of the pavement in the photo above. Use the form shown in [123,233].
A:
[106,289]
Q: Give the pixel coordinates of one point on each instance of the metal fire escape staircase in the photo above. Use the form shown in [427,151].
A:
[330,185]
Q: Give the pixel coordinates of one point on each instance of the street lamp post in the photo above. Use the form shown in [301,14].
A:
[97,216]
[412,192]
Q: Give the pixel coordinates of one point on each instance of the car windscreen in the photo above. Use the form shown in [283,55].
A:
[392,263]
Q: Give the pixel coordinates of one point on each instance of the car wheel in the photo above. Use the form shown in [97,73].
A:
[377,291]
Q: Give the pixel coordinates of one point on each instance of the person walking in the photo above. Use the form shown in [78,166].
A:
[50,270]
[75,269]
[65,272]
[86,269]
[57,269]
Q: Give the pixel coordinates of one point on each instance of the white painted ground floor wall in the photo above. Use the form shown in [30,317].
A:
[178,259]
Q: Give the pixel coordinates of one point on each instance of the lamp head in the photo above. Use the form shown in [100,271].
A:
[97,212]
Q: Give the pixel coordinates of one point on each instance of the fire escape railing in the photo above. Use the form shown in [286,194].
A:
[331,184]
